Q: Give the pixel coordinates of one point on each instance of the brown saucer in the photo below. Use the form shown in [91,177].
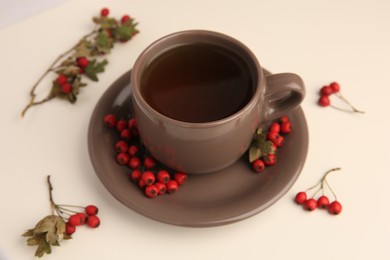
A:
[219,198]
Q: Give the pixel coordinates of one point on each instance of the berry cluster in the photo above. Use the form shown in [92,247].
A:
[262,152]
[322,201]
[334,88]
[88,217]
[151,176]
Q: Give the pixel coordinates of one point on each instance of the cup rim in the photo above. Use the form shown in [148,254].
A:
[259,84]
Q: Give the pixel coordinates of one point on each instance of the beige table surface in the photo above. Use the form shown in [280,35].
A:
[323,41]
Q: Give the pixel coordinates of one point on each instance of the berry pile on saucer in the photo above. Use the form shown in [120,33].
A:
[152,177]
[262,151]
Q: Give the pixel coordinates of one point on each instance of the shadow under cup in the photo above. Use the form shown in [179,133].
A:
[198,98]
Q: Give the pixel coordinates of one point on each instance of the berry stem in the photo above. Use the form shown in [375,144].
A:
[354,109]
[52,204]
[32,101]
[324,181]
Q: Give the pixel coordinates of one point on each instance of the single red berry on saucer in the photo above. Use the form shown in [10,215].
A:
[123,158]
[93,221]
[134,163]
[160,187]
[126,134]
[82,62]
[148,177]
[66,88]
[133,150]
[286,127]
[109,120]
[149,162]
[323,202]
[258,165]
[269,159]
[276,138]
[274,127]
[69,229]
[151,191]
[324,101]
[284,119]
[75,220]
[310,204]
[180,178]
[335,86]
[326,91]
[91,210]
[172,186]
[121,146]
[301,197]
[135,175]
[163,176]
[125,18]
[104,12]
[62,79]
[121,125]
[335,208]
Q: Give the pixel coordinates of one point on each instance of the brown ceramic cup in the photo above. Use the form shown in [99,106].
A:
[206,147]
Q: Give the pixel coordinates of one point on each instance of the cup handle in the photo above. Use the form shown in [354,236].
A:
[284,92]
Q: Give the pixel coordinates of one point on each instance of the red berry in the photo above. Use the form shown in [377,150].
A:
[121,125]
[269,159]
[180,178]
[172,186]
[274,127]
[125,18]
[310,204]
[149,162]
[69,229]
[161,188]
[151,191]
[62,79]
[286,127]
[335,86]
[123,158]
[133,150]
[326,91]
[276,138]
[163,176]
[132,123]
[301,197]
[323,202]
[148,177]
[134,163]
[284,119]
[109,120]
[121,146]
[335,208]
[324,101]
[66,88]
[82,62]
[125,134]
[258,165]
[91,210]
[141,184]
[83,218]
[104,12]
[93,221]
[135,175]
[75,220]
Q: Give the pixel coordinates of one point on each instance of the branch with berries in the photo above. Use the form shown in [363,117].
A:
[81,60]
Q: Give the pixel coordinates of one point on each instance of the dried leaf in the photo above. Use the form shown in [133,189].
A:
[254,153]
[28,233]
[83,49]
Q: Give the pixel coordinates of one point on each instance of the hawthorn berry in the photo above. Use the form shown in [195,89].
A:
[125,134]
[284,118]
[274,127]
[123,158]
[258,165]
[75,220]
[301,197]
[323,202]
[82,62]
[324,101]
[310,204]
[69,229]
[269,159]
[91,210]
[132,123]
[135,175]
[121,146]
[172,186]
[93,221]
[163,176]
[148,177]
[83,218]
[109,120]
[286,127]
[326,91]
[133,150]
[149,162]
[276,138]
[151,191]
[180,178]
[104,12]
[134,163]
[335,208]
[125,18]
[160,187]
[335,87]
[66,88]
[61,79]
[121,125]
[141,183]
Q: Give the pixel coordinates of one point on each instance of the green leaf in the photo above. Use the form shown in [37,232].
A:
[93,68]
[124,33]
[254,153]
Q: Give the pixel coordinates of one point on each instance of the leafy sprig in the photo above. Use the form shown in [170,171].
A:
[99,42]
